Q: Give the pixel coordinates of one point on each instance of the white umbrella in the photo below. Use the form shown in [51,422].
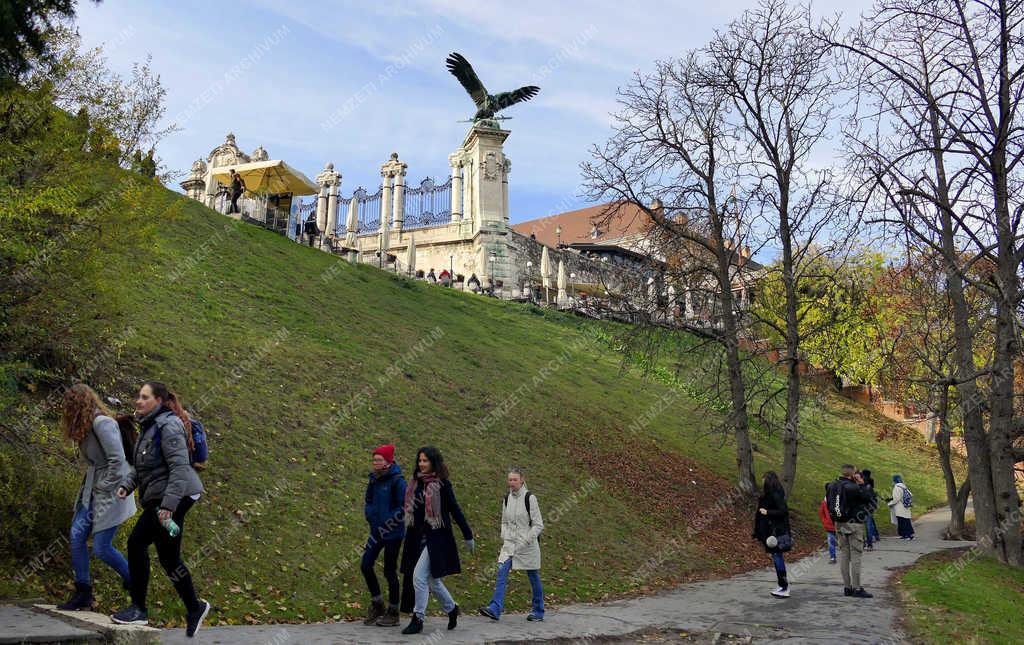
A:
[353,223]
[410,256]
[545,268]
[562,296]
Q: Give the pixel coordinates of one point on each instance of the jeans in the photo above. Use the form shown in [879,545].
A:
[851,546]
[780,570]
[831,545]
[148,530]
[424,583]
[871,531]
[497,604]
[102,546]
[371,551]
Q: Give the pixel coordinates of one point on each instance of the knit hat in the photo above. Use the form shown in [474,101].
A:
[387,451]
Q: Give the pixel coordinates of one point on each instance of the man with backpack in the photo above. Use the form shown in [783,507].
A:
[849,503]
[521,524]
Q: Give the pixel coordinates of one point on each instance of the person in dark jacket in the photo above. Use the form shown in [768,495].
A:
[312,230]
[430,552]
[850,528]
[97,510]
[237,188]
[771,522]
[168,487]
[385,499]
[871,534]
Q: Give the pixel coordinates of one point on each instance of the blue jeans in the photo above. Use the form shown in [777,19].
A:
[872,531]
[423,583]
[497,604]
[780,570]
[831,545]
[102,546]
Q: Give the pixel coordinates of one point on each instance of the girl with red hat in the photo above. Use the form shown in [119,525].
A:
[385,500]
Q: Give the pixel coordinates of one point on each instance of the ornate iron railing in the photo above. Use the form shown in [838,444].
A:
[428,205]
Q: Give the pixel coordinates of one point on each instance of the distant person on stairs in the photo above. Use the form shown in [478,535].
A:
[237,188]
[430,553]
[901,502]
[312,230]
[521,524]
[829,526]
[771,528]
[98,511]
[168,487]
[849,501]
[385,498]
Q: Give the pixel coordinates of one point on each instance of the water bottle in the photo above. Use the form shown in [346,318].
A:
[172,528]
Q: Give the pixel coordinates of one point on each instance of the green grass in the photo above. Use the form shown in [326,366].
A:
[965,598]
[300,364]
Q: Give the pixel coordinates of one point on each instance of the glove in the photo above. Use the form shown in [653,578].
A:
[471,546]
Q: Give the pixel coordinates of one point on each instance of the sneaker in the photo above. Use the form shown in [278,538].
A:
[130,615]
[860,593]
[869,548]
[831,560]
[415,625]
[389,619]
[847,591]
[535,618]
[453,618]
[486,611]
[81,599]
[375,611]
[194,620]
[781,593]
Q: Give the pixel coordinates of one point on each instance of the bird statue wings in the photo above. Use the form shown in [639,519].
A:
[487,105]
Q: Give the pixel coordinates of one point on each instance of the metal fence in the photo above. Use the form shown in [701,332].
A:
[428,205]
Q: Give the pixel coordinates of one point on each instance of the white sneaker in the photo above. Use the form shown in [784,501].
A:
[781,593]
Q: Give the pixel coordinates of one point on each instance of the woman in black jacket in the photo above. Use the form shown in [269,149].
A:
[430,552]
[771,528]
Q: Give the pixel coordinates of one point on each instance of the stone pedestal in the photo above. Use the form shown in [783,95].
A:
[484,169]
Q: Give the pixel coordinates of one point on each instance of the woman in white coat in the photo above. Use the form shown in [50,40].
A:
[521,524]
[900,505]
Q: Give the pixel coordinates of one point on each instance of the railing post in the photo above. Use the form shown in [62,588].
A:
[455,159]
[327,204]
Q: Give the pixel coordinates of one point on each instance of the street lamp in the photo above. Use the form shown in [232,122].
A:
[451,270]
[492,258]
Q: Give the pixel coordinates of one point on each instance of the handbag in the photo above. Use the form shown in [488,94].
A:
[785,542]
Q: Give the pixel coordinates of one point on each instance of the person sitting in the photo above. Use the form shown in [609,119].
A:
[431,278]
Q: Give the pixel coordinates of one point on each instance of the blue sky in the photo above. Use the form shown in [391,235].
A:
[351,82]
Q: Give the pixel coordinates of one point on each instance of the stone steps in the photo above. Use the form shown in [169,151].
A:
[46,624]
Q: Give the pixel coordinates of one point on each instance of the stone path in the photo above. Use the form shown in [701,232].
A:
[817,612]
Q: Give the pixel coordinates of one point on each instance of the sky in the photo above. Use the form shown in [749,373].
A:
[350,82]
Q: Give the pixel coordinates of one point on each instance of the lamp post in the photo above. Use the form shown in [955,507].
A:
[451,270]
[572,285]
[492,259]
[529,279]
[380,250]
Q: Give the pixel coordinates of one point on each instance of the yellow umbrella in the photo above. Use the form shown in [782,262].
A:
[268,177]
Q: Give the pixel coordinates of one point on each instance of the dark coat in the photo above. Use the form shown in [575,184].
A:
[440,543]
[776,522]
[385,500]
[162,471]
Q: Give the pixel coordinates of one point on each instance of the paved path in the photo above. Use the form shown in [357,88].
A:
[817,612]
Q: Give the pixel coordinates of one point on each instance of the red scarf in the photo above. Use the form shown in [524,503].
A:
[432,496]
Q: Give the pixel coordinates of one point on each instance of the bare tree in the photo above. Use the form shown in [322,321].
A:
[670,143]
[941,141]
[777,77]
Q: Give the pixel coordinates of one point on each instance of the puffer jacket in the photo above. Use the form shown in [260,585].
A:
[385,504]
[162,472]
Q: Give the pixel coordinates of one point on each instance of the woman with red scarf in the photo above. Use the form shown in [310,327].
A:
[430,552]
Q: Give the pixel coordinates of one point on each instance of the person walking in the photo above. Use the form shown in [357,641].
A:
[521,525]
[385,499]
[771,528]
[98,511]
[871,534]
[168,487]
[829,526]
[237,188]
[312,230]
[901,503]
[848,502]
[430,553]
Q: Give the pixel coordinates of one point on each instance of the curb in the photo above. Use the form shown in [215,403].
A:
[112,632]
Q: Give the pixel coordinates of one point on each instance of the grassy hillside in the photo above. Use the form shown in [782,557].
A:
[300,364]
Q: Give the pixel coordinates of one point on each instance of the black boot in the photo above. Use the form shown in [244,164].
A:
[82,599]
[415,625]
[375,611]
[453,617]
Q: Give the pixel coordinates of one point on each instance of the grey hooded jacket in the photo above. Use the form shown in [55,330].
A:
[162,471]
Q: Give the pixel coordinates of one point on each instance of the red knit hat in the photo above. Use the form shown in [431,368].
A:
[387,451]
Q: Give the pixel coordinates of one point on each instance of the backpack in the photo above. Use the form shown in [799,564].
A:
[129,435]
[838,506]
[528,496]
[908,497]
[200,452]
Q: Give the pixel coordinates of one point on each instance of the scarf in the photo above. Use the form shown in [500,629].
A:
[432,496]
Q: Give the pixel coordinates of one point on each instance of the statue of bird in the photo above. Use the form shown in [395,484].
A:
[487,105]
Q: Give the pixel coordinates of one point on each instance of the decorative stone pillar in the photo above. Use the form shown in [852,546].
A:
[468,212]
[396,169]
[385,210]
[321,200]
[455,159]
[483,147]
[327,203]
[504,187]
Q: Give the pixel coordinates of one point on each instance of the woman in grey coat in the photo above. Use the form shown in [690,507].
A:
[168,487]
[98,510]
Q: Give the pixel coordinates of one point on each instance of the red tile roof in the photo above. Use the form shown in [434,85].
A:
[577,226]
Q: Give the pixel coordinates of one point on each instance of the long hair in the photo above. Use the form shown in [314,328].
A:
[433,455]
[173,403]
[772,484]
[80,405]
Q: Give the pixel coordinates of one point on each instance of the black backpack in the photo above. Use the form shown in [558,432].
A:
[129,435]
[527,500]
[838,506]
